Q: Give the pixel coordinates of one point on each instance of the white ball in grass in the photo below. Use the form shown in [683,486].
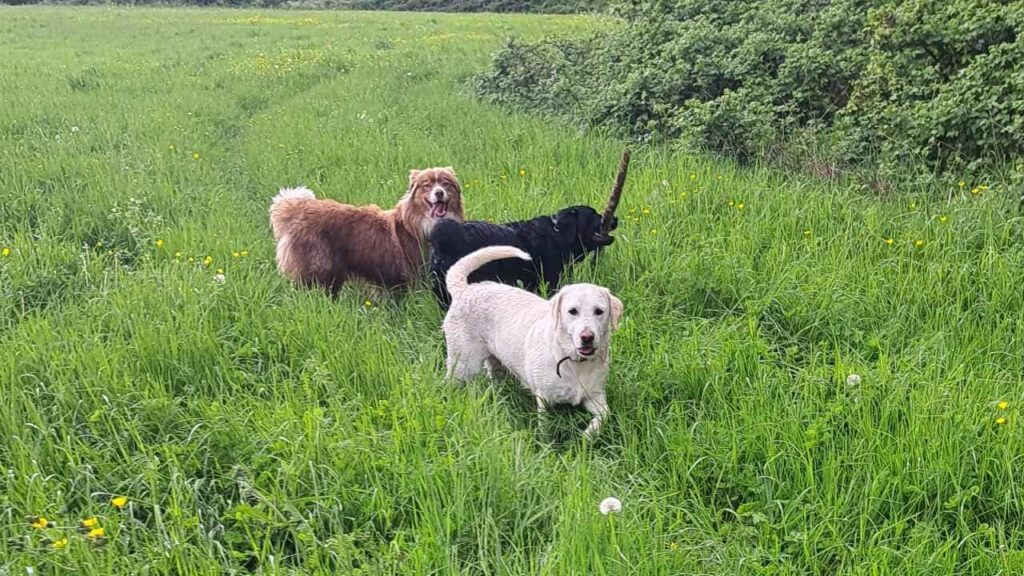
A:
[853,380]
[610,505]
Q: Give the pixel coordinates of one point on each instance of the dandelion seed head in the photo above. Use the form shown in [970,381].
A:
[610,505]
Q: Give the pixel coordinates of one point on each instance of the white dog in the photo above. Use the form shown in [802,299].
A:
[558,349]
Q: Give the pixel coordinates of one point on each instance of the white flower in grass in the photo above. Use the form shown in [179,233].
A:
[853,380]
[219,278]
[610,505]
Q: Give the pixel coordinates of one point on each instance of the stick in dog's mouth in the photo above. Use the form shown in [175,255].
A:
[607,219]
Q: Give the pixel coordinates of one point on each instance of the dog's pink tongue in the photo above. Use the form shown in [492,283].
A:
[438,210]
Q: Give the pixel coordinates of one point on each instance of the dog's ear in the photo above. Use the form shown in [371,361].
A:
[414,174]
[449,169]
[616,307]
[556,309]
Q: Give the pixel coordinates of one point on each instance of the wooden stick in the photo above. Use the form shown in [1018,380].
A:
[613,201]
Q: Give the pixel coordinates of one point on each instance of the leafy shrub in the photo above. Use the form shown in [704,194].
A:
[941,79]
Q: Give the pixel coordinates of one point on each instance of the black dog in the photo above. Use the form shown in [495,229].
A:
[552,241]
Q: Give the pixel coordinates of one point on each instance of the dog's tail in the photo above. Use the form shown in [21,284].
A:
[278,207]
[458,275]
[297,193]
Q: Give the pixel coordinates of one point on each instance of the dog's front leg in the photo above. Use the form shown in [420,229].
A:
[599,408]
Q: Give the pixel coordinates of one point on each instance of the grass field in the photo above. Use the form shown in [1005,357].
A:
[252,426]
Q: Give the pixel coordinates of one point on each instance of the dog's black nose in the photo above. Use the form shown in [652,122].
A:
[587,338]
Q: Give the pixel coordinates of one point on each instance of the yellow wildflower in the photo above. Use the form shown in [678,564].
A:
[654,231]
[1001,421]
[207,261]
[807,233]
[60,544]
[39,522]
[119,502]
[90,522]
[1003,405]
[195,155]
[5,251]
[220,270]
[913,205]
[368,304]
[159,243]
[889,241]
[234,254]
[647,210]
[975,191]
[673,545]
[731,203]
[961,183]
[919,243]
[693,176]
[171,147]
[244,253]
[177,255]
[97,532]
[741,206]
[191,259]
[943,218]
[522,172]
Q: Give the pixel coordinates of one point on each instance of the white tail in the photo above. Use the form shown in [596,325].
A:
[297,193]
[458,275]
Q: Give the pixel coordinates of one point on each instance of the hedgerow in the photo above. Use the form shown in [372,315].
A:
[866,80]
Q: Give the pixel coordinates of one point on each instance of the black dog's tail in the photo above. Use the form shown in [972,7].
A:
[458,275]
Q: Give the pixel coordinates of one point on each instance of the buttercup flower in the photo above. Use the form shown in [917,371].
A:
[610,505]
[807,233]
[60,544]
[195,155]
[740,206]
[1001,421]
[522,172]
[119,502]
[177,255]
[97,532]
[1003,405]
[244,253]
[39,522]
[5,251]
[889,241]
[89,522]
[368,304]
[731,203]
[919,243]
[207,261]
[159,243]
[235,254]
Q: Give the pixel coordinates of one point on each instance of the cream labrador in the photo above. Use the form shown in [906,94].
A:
[558,349]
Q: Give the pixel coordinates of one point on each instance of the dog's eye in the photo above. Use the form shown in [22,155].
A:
[573,311]
[598,311]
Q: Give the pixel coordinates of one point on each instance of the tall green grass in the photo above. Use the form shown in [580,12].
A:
[257,427]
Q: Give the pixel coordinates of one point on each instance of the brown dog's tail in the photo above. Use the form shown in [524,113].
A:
[286,196]
[458,275]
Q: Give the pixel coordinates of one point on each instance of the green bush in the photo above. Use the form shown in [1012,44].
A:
[865,79]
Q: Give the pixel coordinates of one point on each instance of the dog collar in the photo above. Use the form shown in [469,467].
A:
[559,365]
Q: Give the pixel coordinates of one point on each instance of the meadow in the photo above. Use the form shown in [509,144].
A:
[811,378]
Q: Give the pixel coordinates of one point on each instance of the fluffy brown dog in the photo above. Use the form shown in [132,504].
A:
[325,243]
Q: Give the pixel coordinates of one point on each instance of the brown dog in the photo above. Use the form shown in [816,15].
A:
[325,243]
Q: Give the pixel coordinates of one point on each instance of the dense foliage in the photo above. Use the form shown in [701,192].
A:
[940,79]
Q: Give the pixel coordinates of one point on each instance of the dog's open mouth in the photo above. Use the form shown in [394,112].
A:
[438,209]
[602,239]
[585,351]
